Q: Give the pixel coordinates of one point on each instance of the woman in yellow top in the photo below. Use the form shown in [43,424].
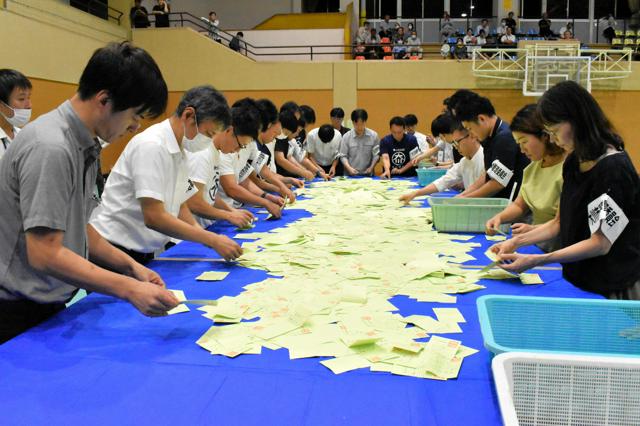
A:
[542,179]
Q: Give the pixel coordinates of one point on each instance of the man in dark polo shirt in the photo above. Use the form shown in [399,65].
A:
[47,181]
[503,160]
[397,150]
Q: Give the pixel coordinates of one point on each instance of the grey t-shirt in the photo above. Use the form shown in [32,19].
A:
[47,179]
[359,151]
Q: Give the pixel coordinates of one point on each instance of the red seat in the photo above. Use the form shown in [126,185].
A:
[388,58]
[386,49]
[385,40]
[360,58]
[414,58]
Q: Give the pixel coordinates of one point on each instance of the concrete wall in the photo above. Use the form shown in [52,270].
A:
[259,38]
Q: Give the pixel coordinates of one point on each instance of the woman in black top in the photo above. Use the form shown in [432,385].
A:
[599,216]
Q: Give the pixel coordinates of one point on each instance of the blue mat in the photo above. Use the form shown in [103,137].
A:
[102,363]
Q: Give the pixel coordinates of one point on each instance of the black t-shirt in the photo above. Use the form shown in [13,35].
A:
[282,145]
[263,149]
[503,160]
[162,20]
[511,23]
[399,152]
[610,188]
[545,27]
[139,17]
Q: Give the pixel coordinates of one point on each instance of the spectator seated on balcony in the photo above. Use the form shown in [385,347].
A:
[373,49]
[470,41]
[568,27]
[566,35]
[139,15]
[481,40]
[511,22]
[364,33]
[508,38]
[460,50]
[414,45]
[400,50]
[359,51]
[400,35]
[386,27]
[388,34]
[161,12]
[544,26]
[445,50]
[502,29]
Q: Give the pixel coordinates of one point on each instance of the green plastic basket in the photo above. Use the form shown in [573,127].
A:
[466,214]
[428,176]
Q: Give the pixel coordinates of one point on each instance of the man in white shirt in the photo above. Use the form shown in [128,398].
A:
[144,200]
[204,170]
[508,37]
[323,146]
[465,172]
[411,124]
[441,128]
[15,105]
[484,26]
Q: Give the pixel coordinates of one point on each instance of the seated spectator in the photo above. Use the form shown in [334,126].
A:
[568,27]
[161,12]
[359,50]
[139,15]
[323,147]
[336,116]
[415,45]
[484,26]
[410,28]
[363,33]
[400,35]
[465,172]
[541,181]
[396,149]
[567,35]
[544,26]
[508,38]
[386,34]
[445,50]
[360,146]
[411,124]
[399,50]
[238,44]
[460,50]
[481,40]
[469,40]
[15,105]
[502,28]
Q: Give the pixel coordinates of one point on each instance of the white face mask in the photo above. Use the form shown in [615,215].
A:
[199,143]
[20,116]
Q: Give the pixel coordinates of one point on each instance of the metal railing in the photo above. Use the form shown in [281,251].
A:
[99,9]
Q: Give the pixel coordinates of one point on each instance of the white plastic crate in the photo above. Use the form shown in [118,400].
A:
[550,389]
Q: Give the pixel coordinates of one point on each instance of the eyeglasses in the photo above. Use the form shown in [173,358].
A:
[238,141]
[456,142]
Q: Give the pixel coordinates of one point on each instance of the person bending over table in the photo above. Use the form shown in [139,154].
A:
[441,153]
[396,150]
[503,161]
[204,169]
[287,147]
[465,172]
[47,189]
[144,204]
[360,146]
[541,181]
[599,216]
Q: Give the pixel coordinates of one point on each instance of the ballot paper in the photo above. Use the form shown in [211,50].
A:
[179,294]
[212,276]
[531,279]
[336,275]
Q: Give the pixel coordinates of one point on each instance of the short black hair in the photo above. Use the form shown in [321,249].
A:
[11,80]
[460,96]
[130,76]
[397,121]
[326,132]
[307,114]
[268,113]
[359,114]
[473,107]
[245,118]
[208,103]
[240,34]
[288,120]
[443,124]
[212,13]
[290,106]
[592,131]
[336,112]
[410,120]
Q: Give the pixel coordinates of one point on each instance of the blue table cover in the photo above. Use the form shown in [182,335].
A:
[100,362]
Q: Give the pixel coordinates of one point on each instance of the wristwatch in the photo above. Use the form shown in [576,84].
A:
[264,195]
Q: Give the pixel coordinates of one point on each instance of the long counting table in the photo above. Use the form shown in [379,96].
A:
[100,362]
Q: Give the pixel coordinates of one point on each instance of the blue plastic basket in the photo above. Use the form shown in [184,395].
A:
[560,325]
[427,176]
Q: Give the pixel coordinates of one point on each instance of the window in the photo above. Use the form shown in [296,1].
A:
[481,8]
[459,7]
[378,8]
[433,8]
[320,6]
[557,8]
[531,9]
[412,8]
[620,8]
[578,9]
